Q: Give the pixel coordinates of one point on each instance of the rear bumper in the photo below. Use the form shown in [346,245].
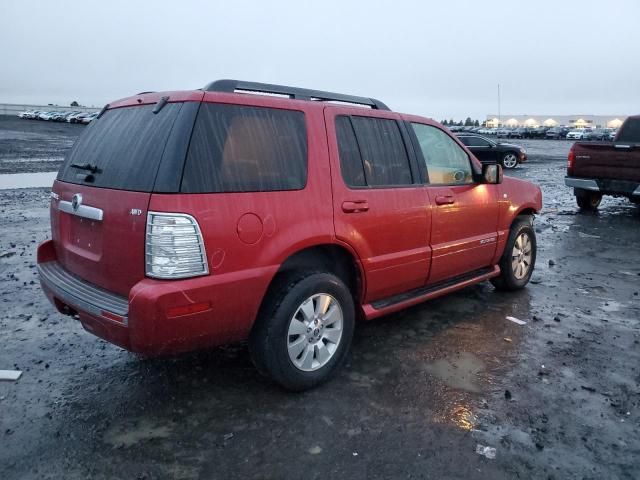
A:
[155,318]
[605,186]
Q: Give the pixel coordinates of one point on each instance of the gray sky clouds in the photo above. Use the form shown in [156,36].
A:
[431,58]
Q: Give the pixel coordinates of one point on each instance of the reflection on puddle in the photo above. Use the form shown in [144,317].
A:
[459,372]
[463,417]
[131,434]
[611,306]
[27,180]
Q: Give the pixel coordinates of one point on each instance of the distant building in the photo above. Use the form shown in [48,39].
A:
[577,121]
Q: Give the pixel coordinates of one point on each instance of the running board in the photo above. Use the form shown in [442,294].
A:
[392,304]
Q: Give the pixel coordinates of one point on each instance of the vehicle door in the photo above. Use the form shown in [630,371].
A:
[464,227]
[381,209]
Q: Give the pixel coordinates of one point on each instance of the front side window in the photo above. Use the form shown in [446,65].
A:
[236,148]
[446,162]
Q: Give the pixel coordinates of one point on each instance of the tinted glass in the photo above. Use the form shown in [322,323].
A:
[246,149]
[630,131]
[474,141]
[125,145]
[446,162]
[384,156]
[350,160]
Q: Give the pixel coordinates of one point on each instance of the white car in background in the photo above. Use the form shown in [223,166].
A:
[77,117]
[46,115]
[88,118]
[576,134]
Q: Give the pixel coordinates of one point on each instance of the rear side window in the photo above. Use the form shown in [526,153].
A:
[350,160]
[630,131]
[382,150]
[237,148]
[125,145]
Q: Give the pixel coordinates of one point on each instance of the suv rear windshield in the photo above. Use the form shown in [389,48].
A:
[125,145]
[238,148]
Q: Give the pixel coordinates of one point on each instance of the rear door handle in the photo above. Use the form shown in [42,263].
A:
[444,200]
[355,206]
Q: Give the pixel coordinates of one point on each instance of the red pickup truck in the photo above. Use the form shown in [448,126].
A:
[602,168]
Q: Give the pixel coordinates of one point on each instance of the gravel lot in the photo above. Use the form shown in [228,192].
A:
[34,145]
[558,398]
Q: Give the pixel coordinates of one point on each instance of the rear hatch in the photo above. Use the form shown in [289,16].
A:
[102,192]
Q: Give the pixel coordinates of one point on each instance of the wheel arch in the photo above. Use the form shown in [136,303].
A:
[329,257]
[334,258]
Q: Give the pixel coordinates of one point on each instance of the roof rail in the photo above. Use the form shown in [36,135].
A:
[231,86]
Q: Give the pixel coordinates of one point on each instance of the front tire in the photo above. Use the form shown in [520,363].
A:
[304,330]
[510,160]
[587,200]
[519,258]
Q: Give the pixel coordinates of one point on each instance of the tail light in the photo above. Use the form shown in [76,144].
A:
[570,160]
[174,247]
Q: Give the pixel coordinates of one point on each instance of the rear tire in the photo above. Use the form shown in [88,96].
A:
[587,200]
[509,160]
[304,330]
[519,257]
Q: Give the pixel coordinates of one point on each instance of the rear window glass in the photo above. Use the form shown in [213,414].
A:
[630,131]
[246,149]
[125,145]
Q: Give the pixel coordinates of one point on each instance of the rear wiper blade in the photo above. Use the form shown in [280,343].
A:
[86,166]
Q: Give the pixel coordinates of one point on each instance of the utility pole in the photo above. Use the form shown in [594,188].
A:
[499,118]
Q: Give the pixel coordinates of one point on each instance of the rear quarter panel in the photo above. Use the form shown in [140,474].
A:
[249,235]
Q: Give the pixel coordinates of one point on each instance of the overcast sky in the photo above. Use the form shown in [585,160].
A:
[437,58]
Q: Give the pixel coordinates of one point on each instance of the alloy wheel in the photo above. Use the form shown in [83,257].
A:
[315,331]
[521,256]
[510,161]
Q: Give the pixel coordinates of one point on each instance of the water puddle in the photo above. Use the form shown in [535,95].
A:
[459,372]
[27,180]
[611,306]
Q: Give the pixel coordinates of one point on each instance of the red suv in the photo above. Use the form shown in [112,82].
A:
[189,219]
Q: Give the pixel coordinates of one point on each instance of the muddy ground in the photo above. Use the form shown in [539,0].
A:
[34,145]
[558,397]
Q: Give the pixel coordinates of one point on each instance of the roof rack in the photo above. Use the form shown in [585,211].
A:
[232,86]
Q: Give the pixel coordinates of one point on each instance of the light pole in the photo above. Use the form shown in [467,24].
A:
[499,118]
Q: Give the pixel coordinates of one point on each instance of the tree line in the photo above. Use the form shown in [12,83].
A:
[467,123]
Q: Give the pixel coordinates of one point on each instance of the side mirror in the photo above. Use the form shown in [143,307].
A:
[492,174]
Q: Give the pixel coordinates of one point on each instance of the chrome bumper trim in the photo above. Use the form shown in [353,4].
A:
[583,183]
[80,293]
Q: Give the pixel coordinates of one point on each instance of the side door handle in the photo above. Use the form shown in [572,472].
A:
[444,200]
[355,206]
